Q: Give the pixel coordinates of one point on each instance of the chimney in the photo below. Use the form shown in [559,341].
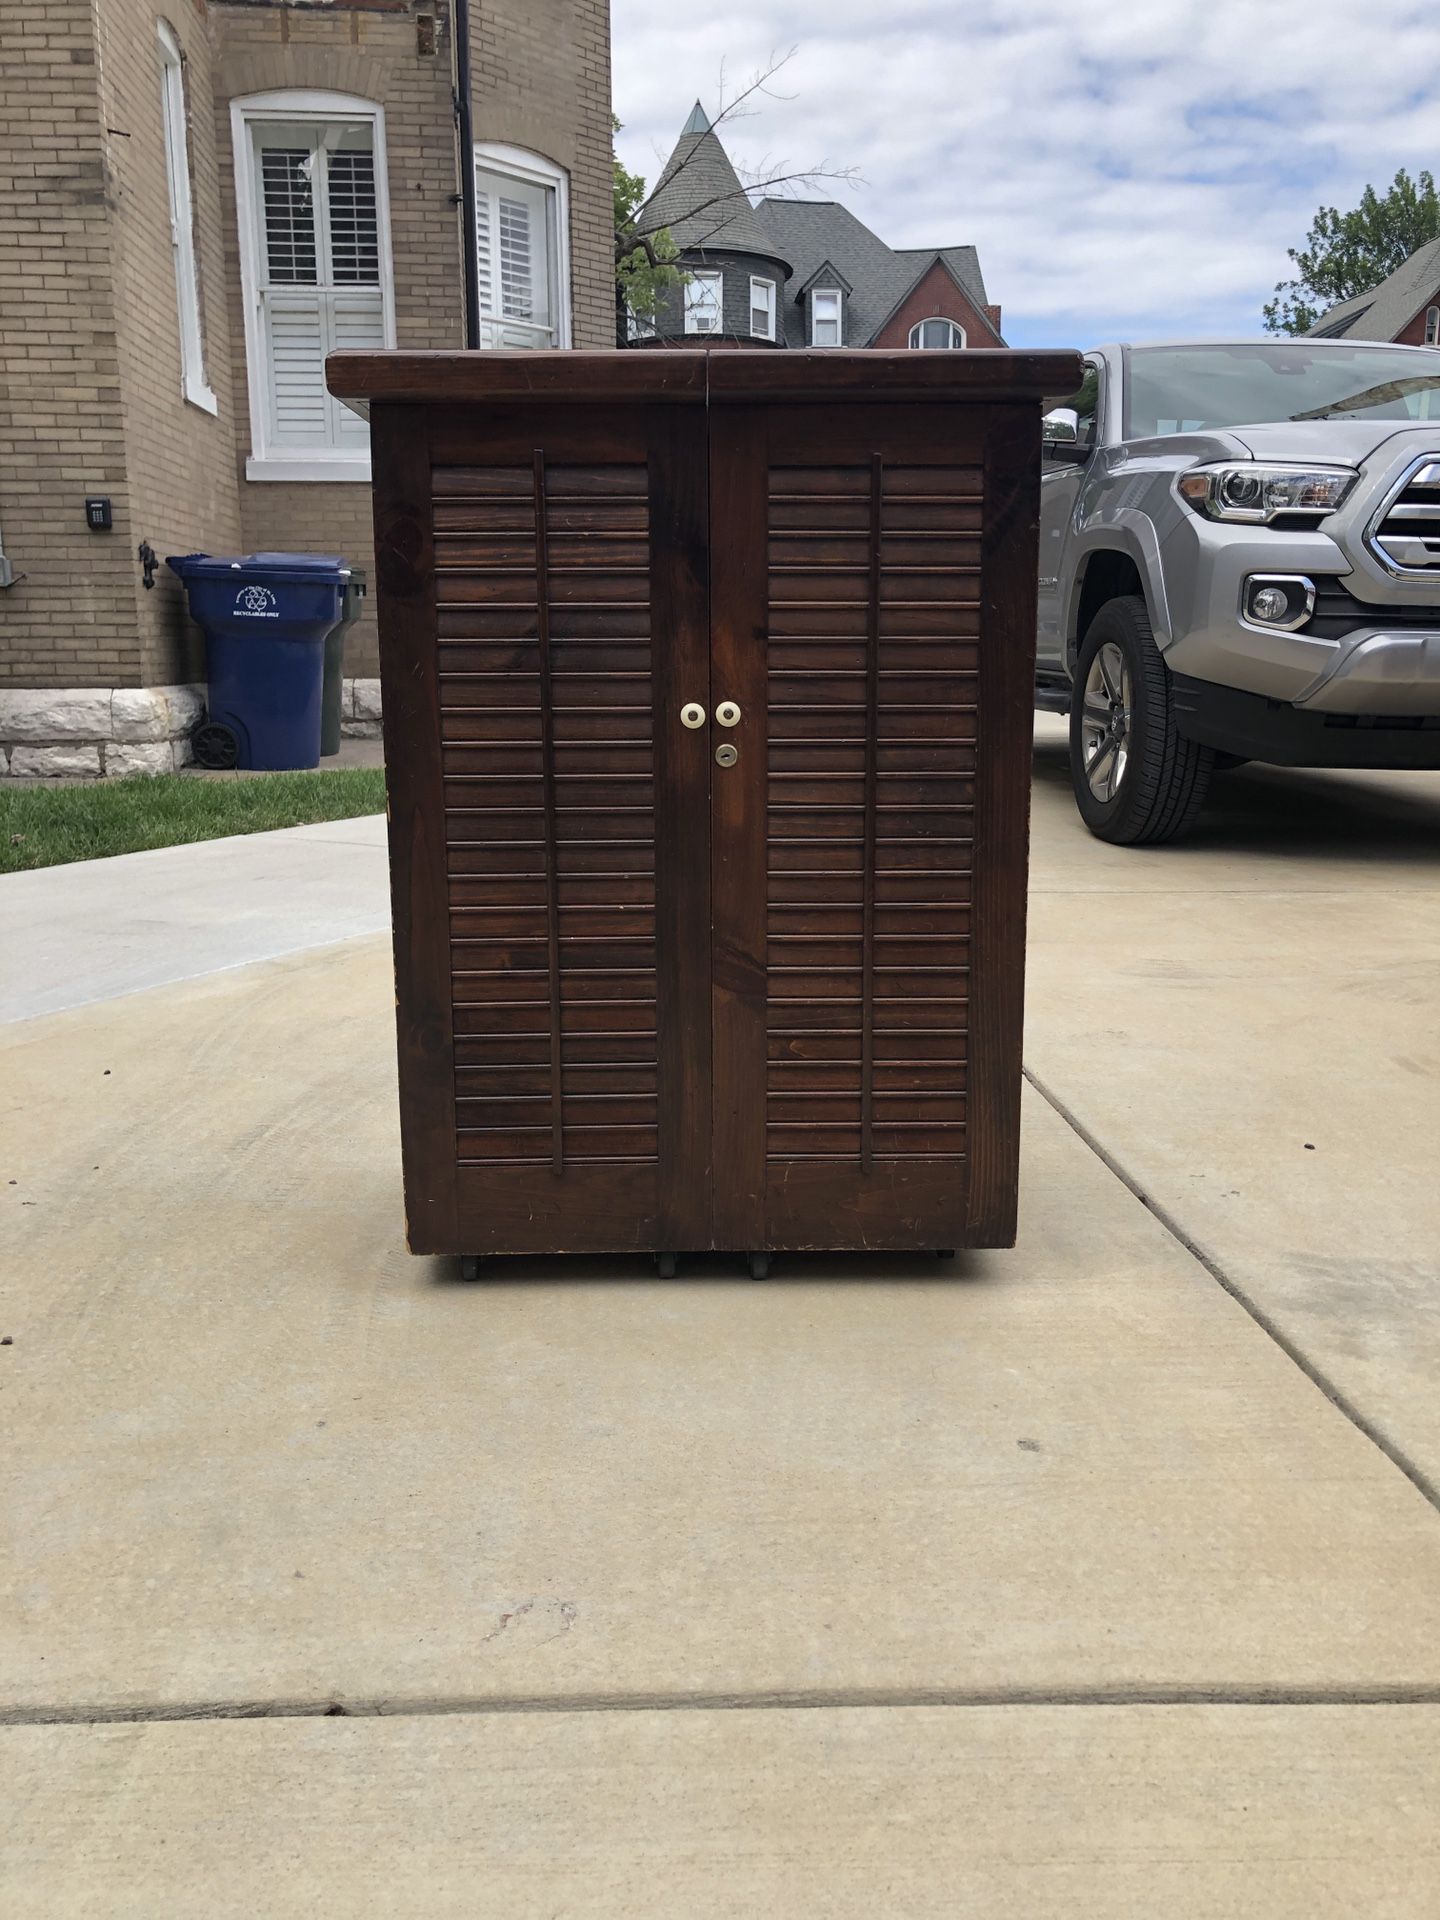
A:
[992,314]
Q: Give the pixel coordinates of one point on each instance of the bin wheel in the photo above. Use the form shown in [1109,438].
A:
[665,1265]
[216,746]
[759,1266]
[471,1266]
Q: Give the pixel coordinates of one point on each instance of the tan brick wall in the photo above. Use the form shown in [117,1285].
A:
[71,620]
[374,56]
[541,73]
[88,321]
[183,491]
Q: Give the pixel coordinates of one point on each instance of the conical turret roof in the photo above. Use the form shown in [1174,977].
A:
[700,199]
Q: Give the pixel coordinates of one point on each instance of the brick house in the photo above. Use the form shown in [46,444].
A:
[199,199]
[799,273]
[1404,308]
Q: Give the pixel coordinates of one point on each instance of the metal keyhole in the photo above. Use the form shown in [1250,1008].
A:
[726,755]
[727,713]
[692,715]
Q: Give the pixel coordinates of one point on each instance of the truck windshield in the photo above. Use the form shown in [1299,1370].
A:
[1188,389]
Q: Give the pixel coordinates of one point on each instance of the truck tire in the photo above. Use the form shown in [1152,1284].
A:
[1136,781]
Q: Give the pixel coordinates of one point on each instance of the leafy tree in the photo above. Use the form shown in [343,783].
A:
[1348,253]
[643,272]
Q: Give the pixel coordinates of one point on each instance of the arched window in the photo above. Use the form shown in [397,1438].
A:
[937,333]
[315,271]
[1432,326]
[522,218]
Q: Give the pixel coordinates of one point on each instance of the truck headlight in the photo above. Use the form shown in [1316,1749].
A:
[1248,491]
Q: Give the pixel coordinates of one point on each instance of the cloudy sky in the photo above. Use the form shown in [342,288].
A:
[1130,169]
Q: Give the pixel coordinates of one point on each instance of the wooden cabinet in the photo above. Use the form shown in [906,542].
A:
[749,983]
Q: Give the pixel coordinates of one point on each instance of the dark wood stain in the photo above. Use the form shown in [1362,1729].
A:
[643,1000]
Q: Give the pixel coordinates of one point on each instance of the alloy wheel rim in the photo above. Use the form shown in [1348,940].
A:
[1105,719]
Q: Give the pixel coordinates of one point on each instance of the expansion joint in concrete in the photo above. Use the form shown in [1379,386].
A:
[1124,1697]
[1418,1478]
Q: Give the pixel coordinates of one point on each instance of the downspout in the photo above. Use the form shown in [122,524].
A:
[465,136]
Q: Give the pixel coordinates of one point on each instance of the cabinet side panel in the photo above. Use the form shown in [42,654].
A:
[405,593]
[1009,562]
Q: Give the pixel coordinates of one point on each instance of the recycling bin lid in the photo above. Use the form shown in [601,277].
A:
[303,567]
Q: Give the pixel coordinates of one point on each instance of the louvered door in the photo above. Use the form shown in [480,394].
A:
[544,586]
[869,840]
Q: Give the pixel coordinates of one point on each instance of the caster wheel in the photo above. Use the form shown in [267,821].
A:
[665,1265]
[215,747]
[470,1266]
[759,1266]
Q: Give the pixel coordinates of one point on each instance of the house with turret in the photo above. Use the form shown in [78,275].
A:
[798,273]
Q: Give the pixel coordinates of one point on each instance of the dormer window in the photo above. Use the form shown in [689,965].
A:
[825,317]
[704,300]
[937,333]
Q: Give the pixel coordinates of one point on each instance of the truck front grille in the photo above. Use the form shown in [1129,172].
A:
[1406,532]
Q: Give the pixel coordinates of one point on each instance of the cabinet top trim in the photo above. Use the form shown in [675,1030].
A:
[831,374]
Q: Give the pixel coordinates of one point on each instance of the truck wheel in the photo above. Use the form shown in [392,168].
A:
[1136,782]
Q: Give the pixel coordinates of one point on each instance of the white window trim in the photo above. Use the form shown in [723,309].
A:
[263,462]
[193,384]
[706,273]
[954,325]
[521,164]
[835,293]
[758,280]
[1432,326]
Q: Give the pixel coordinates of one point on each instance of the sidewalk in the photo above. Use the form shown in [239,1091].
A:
[1048,1582]
[100,929]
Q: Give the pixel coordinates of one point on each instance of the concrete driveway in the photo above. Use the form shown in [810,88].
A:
[1101,1577]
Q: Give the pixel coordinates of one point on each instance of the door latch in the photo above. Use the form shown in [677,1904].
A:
[726,755]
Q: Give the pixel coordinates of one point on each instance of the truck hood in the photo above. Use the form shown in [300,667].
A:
[1336,443]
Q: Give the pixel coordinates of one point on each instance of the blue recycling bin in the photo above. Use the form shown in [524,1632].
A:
[265,617]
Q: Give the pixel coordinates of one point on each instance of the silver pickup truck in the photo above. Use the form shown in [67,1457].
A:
[1239,560]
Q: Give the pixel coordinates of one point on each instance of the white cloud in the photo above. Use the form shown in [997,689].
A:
[1136,169]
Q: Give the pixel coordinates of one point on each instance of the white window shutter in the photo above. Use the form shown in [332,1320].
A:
[513,244]
[295,333]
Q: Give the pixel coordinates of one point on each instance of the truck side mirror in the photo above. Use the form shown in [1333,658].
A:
[1060,436]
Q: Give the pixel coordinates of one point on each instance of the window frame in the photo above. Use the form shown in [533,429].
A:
[175,138]
[717,274]
[759,280]
[951,345]
[536,170]
[1432,326]
[828,293]
[306,106]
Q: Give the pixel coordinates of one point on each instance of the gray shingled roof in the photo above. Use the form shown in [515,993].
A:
[1384,310]
[700,199]
[810,233]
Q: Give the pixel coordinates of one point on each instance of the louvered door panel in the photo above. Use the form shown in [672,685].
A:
[566,815]
[859,647]
[873,576]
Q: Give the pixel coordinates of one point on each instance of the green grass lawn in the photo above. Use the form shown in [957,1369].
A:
[46,826]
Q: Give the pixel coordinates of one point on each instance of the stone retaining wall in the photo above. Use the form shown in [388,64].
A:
[107,732]
[96,731]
